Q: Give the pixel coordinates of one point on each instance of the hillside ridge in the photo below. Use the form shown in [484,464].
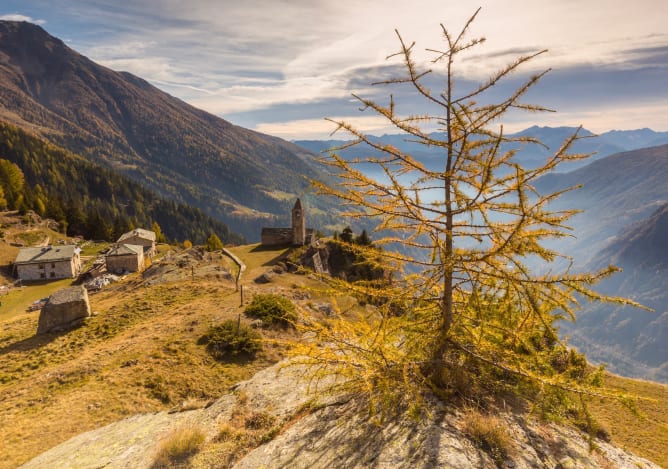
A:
[236,175]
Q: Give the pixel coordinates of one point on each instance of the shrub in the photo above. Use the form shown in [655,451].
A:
[272,309]
[213,243]
[259,420]
[230,338]
[489,434]
[178,447]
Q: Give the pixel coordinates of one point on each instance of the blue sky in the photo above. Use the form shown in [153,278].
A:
[281,66]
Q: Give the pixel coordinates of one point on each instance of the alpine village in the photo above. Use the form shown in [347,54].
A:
[180,291]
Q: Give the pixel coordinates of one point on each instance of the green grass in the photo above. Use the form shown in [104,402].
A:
[30,238]
[94,249]
[18,299]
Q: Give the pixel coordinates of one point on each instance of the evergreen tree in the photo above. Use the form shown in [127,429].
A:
[347,235]
[363,239]
[11,181]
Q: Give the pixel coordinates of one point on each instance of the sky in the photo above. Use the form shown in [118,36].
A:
[282,66]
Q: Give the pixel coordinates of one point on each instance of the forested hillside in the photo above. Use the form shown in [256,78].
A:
[88,199]
[241,177]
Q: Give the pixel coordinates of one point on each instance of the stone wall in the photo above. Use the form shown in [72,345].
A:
[276,236]
[125,263]
[48,270]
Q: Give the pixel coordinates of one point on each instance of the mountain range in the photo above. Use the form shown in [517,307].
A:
[236,175]
[599,146]
[246,179]
[624,222]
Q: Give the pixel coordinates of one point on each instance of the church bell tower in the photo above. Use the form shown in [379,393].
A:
[298,224]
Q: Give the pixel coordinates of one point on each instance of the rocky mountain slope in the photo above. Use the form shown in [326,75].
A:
[330,433]
[633,342]
[241,177]
[623,199]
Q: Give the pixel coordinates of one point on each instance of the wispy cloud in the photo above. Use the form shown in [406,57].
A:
[264,62]
[20,17]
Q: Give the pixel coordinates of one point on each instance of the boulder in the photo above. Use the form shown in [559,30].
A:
[265,277]
[65,309]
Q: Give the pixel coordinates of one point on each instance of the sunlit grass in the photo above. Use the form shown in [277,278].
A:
[18,299]
[646,434]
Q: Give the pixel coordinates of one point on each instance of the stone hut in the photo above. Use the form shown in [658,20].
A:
[125,258]
[297,235]
[65,309]
[48,263]
[140,237]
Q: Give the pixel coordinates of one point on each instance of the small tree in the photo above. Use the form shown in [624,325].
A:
[159,235]
[477,312]
[213,243]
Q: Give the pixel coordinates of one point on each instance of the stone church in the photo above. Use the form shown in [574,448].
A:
[297,235]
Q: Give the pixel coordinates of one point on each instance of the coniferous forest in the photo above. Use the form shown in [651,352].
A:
[87,199]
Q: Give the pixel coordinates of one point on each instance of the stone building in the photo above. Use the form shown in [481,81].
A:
[140,237]
[297,235]
[65,309]
[125,258]
[48,263]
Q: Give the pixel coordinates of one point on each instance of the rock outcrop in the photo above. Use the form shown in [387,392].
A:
[335,433]
[65,309]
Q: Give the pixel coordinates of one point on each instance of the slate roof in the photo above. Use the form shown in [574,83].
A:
[139,232]
[125,250]
[46,254]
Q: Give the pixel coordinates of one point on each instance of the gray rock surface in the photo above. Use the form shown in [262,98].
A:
[65,309]
[339,434]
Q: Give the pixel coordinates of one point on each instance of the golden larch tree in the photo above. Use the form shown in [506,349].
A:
[464,308]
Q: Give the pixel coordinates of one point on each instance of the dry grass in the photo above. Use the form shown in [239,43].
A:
[245,431]
[645,435]
[178,448]
[256,256]
[490,434]
[138,354]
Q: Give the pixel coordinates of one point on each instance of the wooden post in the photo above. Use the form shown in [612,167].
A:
[241,294]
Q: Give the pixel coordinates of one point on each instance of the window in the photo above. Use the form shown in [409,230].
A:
[53,265]
[41,266]
[42,275]
[52,274]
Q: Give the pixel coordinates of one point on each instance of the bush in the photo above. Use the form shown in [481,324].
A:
[272,309]
[230,339]
[181,445]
